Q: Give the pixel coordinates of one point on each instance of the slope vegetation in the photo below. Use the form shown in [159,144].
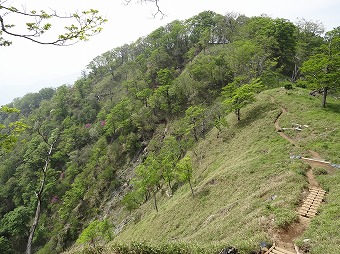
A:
[248,184]
[141,150]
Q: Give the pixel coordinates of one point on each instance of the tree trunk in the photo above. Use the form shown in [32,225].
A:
[192,190]
[33,227]
[295,73]
[238,115]
[39,198]
[324,96]
[170,187]
[155,200]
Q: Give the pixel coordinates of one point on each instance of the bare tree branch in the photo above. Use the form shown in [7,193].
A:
[156,2]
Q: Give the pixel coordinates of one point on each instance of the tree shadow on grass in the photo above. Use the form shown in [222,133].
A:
[254,114]
[333,107]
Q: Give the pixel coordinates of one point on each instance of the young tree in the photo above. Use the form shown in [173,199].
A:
[238,95]
[195,121]
[169,155]
[149,176]
[184,171]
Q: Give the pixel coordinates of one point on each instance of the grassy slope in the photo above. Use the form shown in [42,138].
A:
[322,136]
[236,174]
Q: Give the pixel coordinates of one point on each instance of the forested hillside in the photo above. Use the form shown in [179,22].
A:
[162,139]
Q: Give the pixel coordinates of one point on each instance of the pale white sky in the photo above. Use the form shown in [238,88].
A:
[28,67]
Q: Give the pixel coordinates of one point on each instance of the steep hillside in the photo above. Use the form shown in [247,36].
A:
[247,185]
[145,145]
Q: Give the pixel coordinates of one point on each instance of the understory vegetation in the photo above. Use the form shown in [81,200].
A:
[168,144]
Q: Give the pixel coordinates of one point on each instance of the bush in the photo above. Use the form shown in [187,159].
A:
[96,231]
[288,86]
[301,85]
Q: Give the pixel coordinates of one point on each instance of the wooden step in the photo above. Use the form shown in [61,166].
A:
[311,204]
[276,250]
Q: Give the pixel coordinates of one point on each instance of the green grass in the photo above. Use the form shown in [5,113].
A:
[324,229]
[235,176]
[245,183]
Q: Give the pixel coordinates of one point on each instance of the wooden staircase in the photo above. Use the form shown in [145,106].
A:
[310,206]
[308,209]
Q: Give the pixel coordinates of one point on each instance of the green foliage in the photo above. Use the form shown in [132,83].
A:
[14,227]
[194,121]
[15,222]
[132,200]
[212,71]
[71,198]
[288,86]
[153,115]
[184,171]
[118,120]
[321,69]
[86,24]
[165,76]
[163,248]
[95,232]
[5,246]
[9,133]
[238,95]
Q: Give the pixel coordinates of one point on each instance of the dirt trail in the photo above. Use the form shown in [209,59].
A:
[285,238]
[319,163]
[279,129]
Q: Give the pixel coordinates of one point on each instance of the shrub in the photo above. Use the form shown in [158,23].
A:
[302,83]
[96,231]
[288,86]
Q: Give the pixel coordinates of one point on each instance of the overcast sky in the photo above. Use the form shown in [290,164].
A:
[27,67]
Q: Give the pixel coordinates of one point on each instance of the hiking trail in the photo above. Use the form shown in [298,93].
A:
[284,239]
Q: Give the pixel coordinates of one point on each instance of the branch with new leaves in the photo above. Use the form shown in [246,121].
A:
[33,25]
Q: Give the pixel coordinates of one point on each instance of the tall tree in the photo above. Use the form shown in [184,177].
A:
[285,33]
[309,39]
[276,36]
[322,69]
[51,143]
